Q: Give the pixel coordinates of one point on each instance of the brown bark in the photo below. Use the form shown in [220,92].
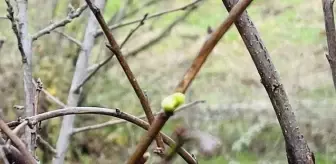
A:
[208,46]
[297,149]
[331,35]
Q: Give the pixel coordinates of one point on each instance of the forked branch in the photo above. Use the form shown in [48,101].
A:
[151,16]
[33,120]
[114,47]
[20,145]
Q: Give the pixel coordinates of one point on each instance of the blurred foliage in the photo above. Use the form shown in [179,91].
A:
[292,31]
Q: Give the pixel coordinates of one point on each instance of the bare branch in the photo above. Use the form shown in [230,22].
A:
[19,127]
[72,15]
[158,38]
[148,138]
[12,153]
[118,15]
[297,148]
[181,137]
[3,17]
[115,122]
[331,35]
[79,75]
[15,29]
[116,50]
[33,120]
[133,30]
[3,155]
[210,44]
[25,47]
[39,88]
[28,157]
[69,38]
[119,25]
[45,144]
[88,77]
[98,126]
[145,46]
[53,98]
[146,4]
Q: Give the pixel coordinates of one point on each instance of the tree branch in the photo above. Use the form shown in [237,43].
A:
[146,4]
[74,95]
[331,35]
[115,122]
[33,120]
[147,139]
[15,29]
[142,22]
[72,15]
[53,98]
[28,157]
[88,77]
[164,33]
[25,47]
[45,144]
[181,137]
[12,153]
[69,38]
[210,44]
[297,149]
[116,50]
[119,25]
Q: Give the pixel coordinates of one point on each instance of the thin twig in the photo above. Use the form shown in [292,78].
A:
[15,29]
[115,122]
[147,139]
[163,33]
[181,138]
[16,130]
[28,157]
[78,43]
[50,96]
[88,77]
[44,143]
[146,45]
[118,15]
[72,15]
[33,120]
[142,22]
[331,35]
[39,88]
[210,44]
[98,126]
[297,149]
[19,127]
[119,25]
[12,153]
[3,155]
[3,17]
[146,4]
[114,47]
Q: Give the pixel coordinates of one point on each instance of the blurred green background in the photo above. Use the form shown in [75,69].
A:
[237,109]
